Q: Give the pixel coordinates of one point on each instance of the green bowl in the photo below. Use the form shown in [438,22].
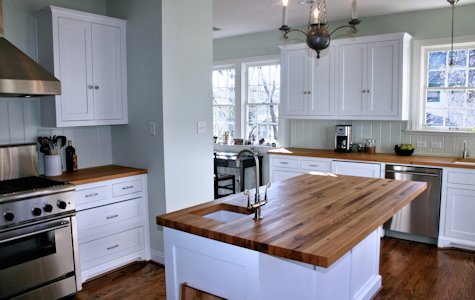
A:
[402,152]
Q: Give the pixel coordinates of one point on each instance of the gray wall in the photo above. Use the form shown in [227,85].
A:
[319,134]
[170,84]
[20,118]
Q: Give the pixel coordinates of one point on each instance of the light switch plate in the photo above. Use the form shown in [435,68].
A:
[421,144]
[151,128]
[202,127]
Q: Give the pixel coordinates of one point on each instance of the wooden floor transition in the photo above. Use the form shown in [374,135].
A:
[410,271]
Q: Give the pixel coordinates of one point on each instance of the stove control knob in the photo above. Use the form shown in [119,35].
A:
[36,211]
[48,208]
[8,216]
[62,204]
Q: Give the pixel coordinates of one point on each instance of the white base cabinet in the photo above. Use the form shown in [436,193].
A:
[87,53]
[457,221]
[233,272]
[362,169]
[112,218]
[284,166]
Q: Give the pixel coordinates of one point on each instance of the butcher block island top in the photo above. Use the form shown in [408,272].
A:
[312,218]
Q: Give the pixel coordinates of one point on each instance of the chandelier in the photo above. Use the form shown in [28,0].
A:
[317,34]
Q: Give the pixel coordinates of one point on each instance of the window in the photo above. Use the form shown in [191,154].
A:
[224,101]
[449,91]
[246,96]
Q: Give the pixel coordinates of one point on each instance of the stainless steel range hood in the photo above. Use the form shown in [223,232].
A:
[20,76]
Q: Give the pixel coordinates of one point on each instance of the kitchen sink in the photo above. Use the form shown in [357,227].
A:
[223,212]
[466,161]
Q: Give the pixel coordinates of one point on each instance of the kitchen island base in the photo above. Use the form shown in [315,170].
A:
[234,272]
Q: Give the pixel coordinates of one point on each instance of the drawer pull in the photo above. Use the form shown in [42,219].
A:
[315,166]
[111,217]
[284,163]
[128,187]
[92,195]
[113,247]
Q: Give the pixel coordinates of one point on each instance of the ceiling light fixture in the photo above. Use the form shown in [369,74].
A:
[317,34]
[451,61]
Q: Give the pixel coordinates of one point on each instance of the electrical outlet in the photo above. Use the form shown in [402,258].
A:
[202,127]
[421,144]
[436,145]
[151,129]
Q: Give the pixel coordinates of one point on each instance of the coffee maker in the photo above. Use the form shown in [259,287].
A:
[343,138]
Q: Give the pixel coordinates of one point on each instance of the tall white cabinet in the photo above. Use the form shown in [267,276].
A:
[363,78]
[87,53]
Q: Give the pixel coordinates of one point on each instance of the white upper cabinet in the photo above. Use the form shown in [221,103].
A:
[364,78]
[87,53]
[307,82]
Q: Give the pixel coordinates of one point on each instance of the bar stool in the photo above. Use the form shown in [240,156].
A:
[225,182]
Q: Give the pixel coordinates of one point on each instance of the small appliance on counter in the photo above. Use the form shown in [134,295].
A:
[343,138]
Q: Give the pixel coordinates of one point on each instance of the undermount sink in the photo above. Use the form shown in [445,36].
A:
[223,212]
[466,161]
[225,216]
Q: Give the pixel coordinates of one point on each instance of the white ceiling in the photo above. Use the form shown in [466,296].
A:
[237,17]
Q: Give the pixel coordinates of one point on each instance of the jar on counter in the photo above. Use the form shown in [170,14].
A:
[370,146]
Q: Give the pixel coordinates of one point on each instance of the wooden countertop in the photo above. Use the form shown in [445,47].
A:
[439,161]
[95,174]
[314,219]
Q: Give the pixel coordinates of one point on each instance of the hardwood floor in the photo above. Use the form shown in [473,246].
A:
[410,271]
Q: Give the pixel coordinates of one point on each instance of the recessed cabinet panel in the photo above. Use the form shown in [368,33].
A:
[74,69]
[460,220]
[352,61]
[107,65]
[322,83]
[294,74]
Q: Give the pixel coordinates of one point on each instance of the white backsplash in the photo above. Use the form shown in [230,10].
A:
[20,123]
[321,135]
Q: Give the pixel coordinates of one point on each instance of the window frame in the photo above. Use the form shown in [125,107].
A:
[421,47]
[241,65]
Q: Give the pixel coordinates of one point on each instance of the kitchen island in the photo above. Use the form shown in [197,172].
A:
[319,239]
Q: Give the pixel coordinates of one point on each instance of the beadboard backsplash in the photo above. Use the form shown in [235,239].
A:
[20,123]
[321,135]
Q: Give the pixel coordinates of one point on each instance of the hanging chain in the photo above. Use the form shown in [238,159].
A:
[451,63]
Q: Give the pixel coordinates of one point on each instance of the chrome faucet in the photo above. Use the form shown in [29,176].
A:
[465,150]
[257,198]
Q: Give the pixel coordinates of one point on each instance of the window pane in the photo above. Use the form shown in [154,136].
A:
[460,58]
[457,78]
[433,97]
[436,79]
[471,78]
[263,123]
[224,86]
[471,100]
[456,99]
[434,118]
[471,59]
[454,118]
[470,120]
[437,60]
[264,84]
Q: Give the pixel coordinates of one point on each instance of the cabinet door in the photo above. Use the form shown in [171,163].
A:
[322,83]
[294,82]
[383,79]
[279,175]
[356,169]
[460,211]
[75,70]
[107,72]
[352,66]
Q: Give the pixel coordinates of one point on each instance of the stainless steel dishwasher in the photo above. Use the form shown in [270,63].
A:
[419,220]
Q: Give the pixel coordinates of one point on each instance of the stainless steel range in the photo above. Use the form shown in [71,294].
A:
[38,248]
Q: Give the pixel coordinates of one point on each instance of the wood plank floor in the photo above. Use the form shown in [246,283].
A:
[410,271]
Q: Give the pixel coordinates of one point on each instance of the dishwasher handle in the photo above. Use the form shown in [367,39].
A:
[413,173]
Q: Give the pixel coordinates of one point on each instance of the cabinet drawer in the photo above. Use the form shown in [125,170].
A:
[88,196]
[285,163]
[111,218]
[315,165]
[461,177]
[111,247]
[127,187]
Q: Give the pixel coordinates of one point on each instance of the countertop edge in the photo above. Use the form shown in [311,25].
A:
[101,173]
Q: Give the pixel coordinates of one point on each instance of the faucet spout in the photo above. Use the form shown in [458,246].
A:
[257,198]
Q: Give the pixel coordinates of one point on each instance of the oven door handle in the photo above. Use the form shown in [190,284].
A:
[9,236]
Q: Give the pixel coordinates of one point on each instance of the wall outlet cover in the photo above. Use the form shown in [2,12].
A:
[421,144]
[436,145]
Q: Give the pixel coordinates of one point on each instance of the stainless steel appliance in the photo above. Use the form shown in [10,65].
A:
[38,248]
[419,220]
[343,138]
[19,74]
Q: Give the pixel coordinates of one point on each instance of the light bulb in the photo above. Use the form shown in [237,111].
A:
[316,16]
[285,2]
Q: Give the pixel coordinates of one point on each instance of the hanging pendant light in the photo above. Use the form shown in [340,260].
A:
[451,59]
[318,37]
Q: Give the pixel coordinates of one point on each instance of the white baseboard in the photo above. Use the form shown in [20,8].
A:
[157,256]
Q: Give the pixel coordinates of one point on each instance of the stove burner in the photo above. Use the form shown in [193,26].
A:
[32,183]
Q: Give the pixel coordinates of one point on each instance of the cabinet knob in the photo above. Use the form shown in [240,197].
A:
[305,93]
[90,87]
[96,87]
[309,92]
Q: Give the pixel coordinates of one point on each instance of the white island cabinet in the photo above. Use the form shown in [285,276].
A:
[112,218]
[87,53]
[238,273]
[457,218]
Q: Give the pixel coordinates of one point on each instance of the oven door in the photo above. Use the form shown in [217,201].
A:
[35,255]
